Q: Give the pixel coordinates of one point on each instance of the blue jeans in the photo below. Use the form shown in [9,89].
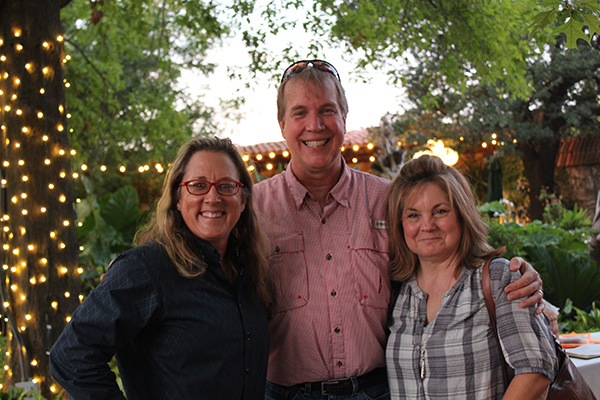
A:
[302,392]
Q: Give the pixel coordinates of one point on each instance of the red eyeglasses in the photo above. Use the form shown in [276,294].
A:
[225,187]
[300,66]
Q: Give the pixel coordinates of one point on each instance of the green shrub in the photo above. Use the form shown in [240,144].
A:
[559,255]
[573,319]
[106,228]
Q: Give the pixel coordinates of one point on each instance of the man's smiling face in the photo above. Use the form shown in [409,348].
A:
[313,127]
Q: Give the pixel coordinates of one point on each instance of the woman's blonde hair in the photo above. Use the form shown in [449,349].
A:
[473,247]
[168,229]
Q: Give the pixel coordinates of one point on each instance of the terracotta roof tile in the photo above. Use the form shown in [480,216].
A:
[577,151]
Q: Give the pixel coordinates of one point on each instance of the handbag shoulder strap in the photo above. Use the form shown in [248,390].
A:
[486,284]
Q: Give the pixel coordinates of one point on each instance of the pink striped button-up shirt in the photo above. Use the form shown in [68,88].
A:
[331,277]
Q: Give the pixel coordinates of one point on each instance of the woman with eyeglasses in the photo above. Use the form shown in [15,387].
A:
[184,310]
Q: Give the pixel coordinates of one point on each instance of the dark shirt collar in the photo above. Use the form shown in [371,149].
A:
[207,251]
[212,257]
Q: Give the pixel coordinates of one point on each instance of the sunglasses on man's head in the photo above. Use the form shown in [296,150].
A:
[300,66]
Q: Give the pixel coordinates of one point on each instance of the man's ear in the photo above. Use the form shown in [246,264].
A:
[282,128]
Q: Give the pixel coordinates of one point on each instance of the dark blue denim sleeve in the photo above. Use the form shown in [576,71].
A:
[113,313]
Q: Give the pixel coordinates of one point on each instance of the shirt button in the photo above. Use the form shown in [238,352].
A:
[248,336]
[339,363]
[328,256]
[277,249]
[337,330]
[333,293]
[247,372]
[323,221]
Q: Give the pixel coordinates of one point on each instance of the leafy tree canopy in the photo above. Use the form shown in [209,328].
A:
[564,102]
[472,40]
[126,59]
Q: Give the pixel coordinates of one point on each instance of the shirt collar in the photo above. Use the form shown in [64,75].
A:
[207,251]
[340,192]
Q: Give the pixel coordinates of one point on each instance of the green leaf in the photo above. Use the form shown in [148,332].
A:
[120,209]
[593,24]
[573,30]
[593,4]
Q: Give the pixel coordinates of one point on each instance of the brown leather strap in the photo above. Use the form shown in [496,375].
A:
[486,284]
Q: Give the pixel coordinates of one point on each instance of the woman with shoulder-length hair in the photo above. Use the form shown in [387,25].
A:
[183,311]
[442,344]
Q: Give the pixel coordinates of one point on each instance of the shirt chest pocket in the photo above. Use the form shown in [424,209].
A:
[289,276]
[370,266]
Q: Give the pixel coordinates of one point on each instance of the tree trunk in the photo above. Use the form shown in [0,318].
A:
[539,161]
[39,279]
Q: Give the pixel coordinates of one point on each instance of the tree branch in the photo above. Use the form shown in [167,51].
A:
[100,74]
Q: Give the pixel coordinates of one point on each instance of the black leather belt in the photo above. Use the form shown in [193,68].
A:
[350,385]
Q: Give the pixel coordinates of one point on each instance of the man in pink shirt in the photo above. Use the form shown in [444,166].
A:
[329,261]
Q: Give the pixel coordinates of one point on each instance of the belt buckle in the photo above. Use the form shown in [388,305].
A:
[324,385]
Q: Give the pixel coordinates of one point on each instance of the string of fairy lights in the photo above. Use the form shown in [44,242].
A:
[15,259]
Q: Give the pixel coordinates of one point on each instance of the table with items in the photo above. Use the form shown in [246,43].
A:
[586,357]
